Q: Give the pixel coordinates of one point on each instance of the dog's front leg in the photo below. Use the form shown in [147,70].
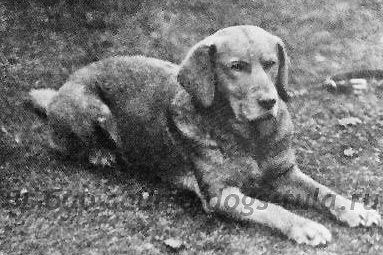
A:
[232,202]
[219,185]
[299,187]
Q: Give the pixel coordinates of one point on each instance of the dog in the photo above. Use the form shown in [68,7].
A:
[217,124]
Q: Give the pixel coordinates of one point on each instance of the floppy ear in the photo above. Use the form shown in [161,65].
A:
[282,77]
[196,73]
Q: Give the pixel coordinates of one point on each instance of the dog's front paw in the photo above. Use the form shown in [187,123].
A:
[309,232]
[102,158]
[357,215]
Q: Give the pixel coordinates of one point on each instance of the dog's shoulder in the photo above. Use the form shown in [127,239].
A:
[187,122]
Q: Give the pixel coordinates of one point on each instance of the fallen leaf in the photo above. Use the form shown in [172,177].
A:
[349,152]
[4,130]
[319,58]
[145,195]
[174,243]
[147,246]
[351,121]
[330,84]
[23,191]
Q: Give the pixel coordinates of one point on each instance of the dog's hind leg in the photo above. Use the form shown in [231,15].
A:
[82,125]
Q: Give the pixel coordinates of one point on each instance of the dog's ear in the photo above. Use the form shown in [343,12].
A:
[196,73]
[282,77]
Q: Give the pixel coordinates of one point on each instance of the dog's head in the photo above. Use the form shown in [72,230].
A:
[244,64]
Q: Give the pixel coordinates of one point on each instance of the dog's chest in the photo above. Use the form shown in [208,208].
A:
[253,154]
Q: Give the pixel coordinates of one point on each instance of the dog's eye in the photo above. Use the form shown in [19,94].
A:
[267,65]
[239,66]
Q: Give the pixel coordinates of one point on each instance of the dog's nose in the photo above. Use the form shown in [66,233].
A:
[267,103]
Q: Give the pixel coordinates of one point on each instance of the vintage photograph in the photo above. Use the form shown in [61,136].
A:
[191,127]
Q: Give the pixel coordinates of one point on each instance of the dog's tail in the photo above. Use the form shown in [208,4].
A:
[39,99]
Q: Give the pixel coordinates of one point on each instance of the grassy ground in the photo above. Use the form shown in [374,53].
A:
[43,42]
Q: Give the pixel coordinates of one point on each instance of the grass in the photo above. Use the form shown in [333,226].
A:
[42,42]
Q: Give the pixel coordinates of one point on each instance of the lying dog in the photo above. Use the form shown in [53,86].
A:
[217,125]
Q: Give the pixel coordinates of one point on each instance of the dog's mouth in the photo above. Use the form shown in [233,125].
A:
[256,114]
[264,117]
